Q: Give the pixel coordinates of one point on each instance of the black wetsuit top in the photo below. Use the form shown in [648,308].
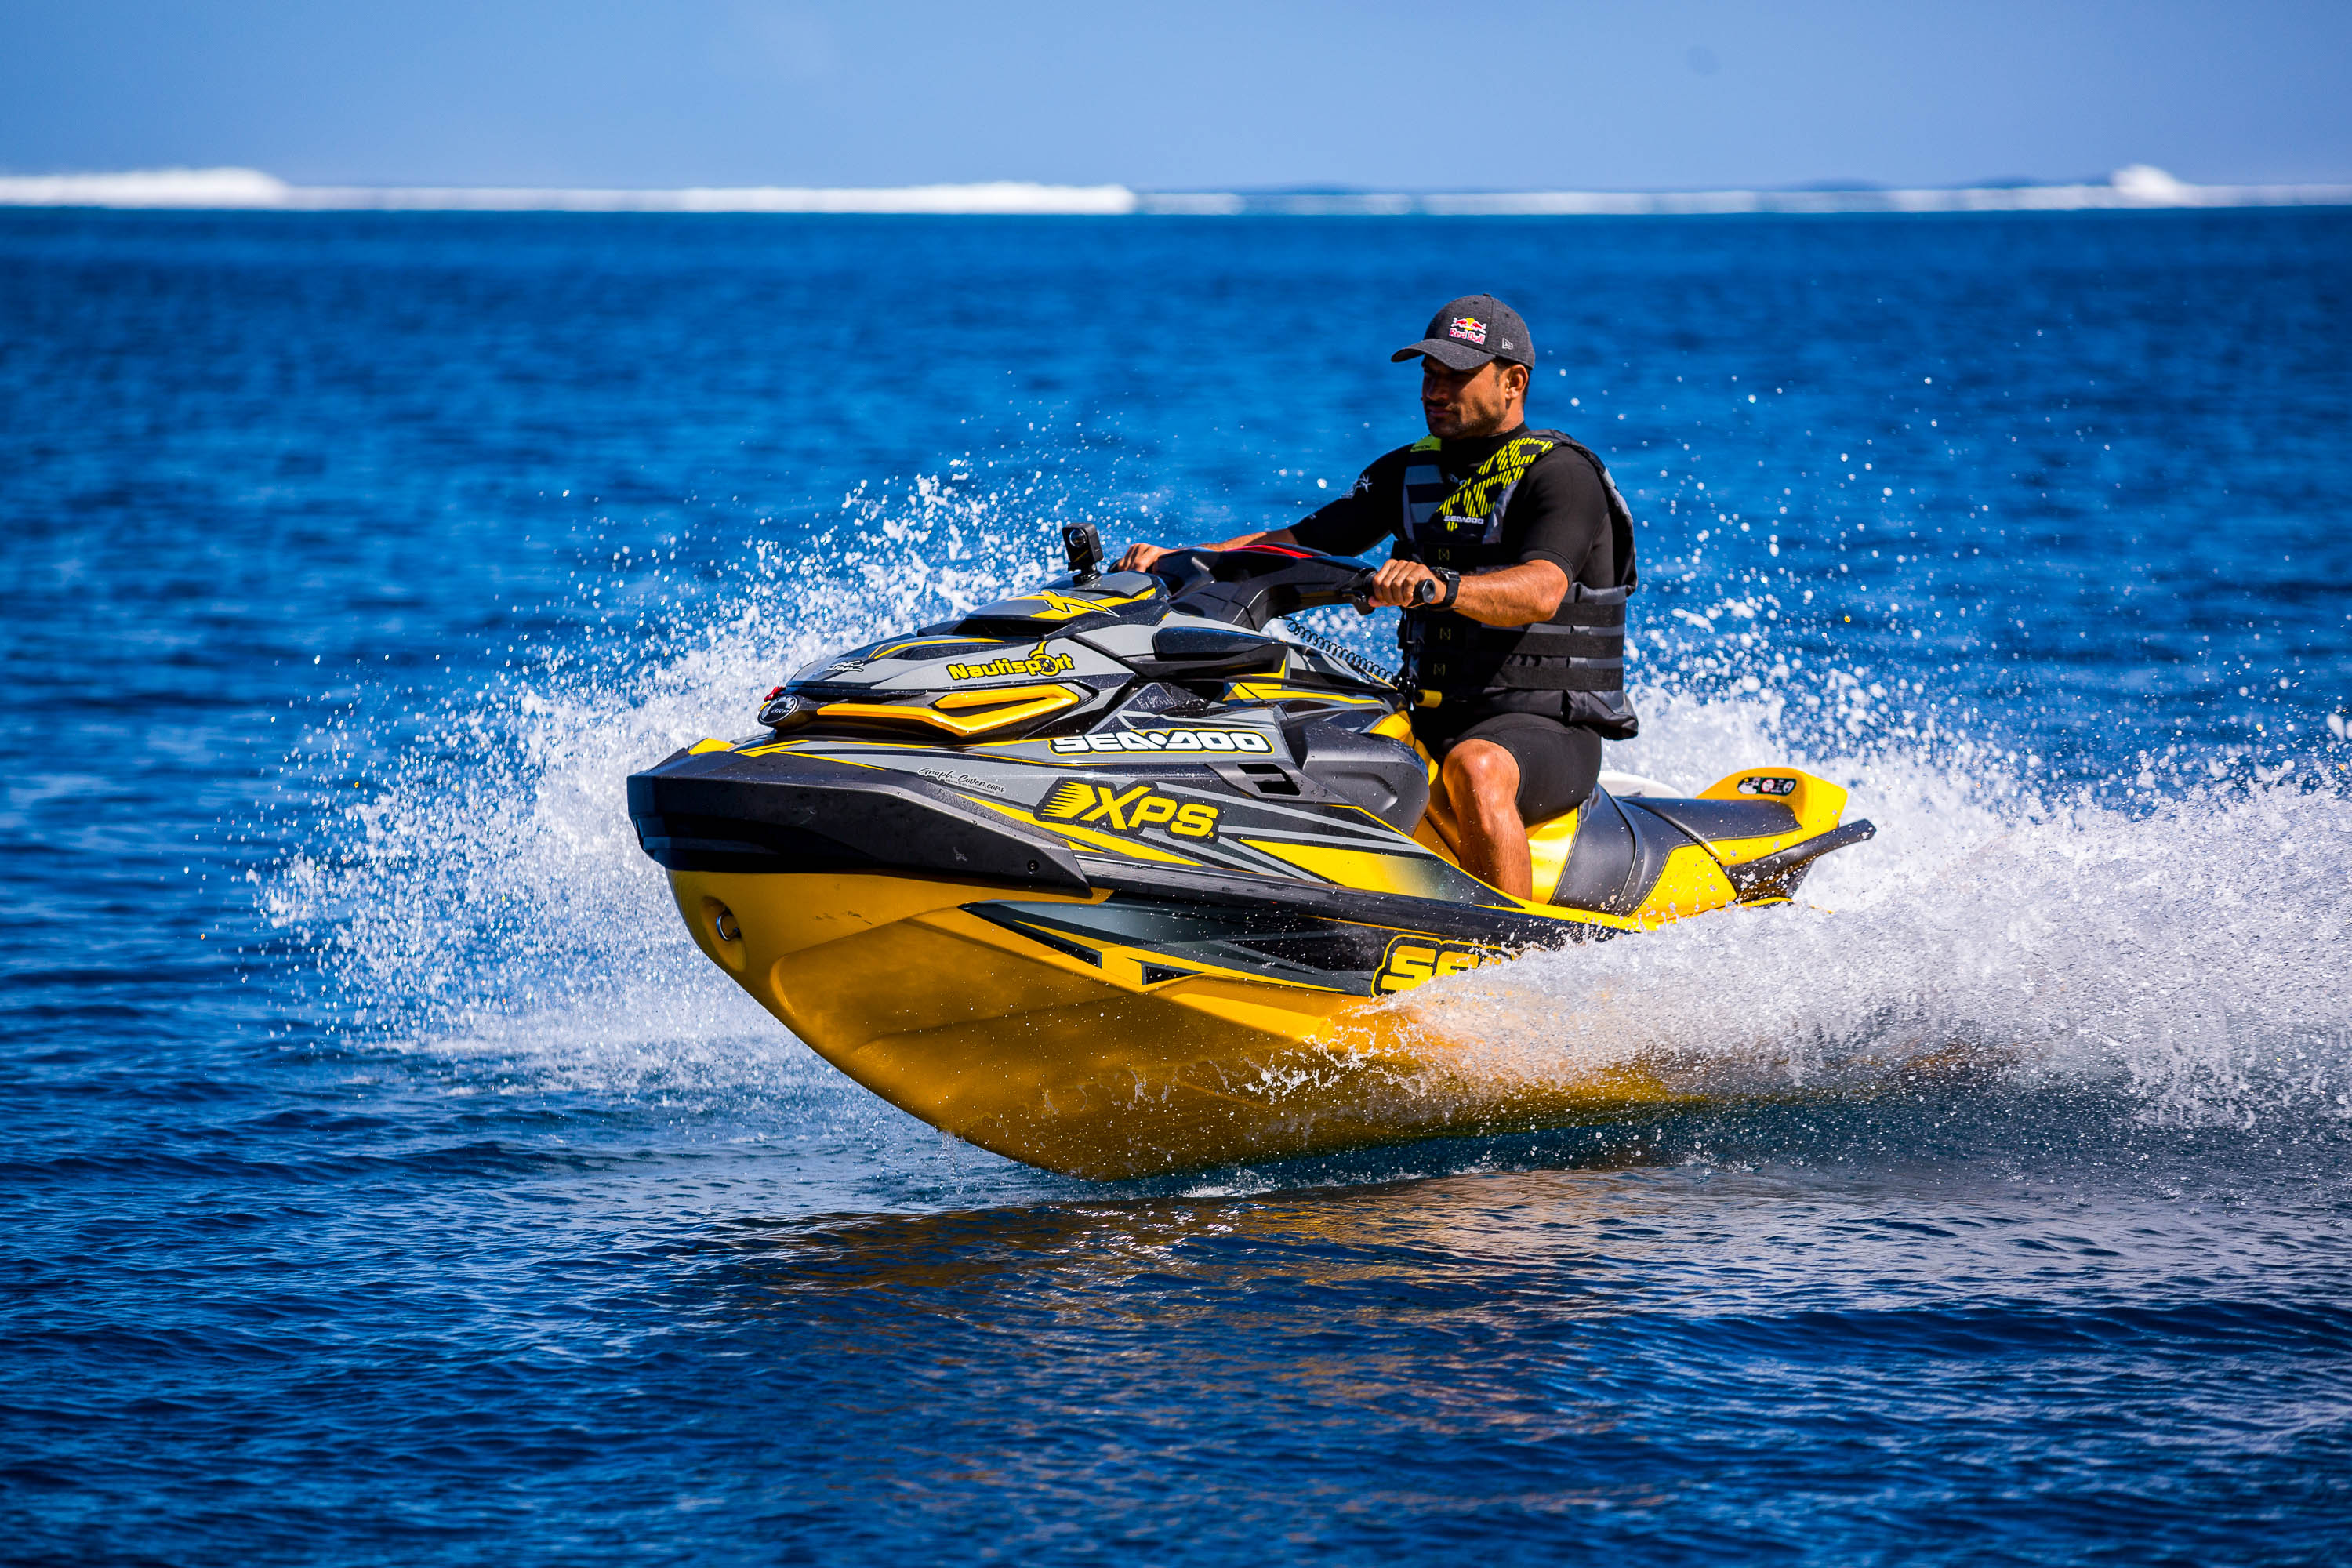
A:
[1558,513]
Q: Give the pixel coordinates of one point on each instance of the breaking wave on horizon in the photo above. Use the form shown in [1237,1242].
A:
[2135,187]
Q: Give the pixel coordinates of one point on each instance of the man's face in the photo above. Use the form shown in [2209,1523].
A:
[1469,402]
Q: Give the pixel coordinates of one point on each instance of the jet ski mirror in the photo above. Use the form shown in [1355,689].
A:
[1082,547]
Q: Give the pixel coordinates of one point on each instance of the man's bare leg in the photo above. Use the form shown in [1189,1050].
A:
[1482,781]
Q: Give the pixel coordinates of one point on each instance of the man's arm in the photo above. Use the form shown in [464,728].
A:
[1509,596]
[1140,557]
[1566,533]
[1347,524]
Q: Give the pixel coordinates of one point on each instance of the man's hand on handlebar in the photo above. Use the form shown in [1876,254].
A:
[1140,557]
[1397,583]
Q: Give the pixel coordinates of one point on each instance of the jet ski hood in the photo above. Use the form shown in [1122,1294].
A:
[1056,659]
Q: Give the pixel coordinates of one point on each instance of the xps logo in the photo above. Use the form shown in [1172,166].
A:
[1130,810]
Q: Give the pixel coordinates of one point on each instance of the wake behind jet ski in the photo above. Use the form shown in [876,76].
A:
[1119,876]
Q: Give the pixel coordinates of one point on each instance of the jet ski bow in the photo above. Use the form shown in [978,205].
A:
[1119,877]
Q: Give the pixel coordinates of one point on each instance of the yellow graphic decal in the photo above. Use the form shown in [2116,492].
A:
[1411,960]
[965,713]
[1408,870]
[1130,810]
[1036,661]
[1274,692]
[1063,607]
[896,648]
[1135,848]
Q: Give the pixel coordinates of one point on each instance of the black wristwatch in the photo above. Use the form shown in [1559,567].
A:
[1453,581]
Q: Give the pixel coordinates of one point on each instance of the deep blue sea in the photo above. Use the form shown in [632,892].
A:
[387,1179]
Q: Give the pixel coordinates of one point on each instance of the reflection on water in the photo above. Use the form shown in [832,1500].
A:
[1604,1335]
[1730,1211]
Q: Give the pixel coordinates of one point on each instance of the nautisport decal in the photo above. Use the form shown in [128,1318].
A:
[1165,741]
[1038,661]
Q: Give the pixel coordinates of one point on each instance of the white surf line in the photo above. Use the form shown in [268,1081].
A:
[2138,187]
[251,190]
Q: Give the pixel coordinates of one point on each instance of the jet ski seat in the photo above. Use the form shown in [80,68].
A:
[1612,854]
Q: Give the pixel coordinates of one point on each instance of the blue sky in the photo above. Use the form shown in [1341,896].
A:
[1673,94]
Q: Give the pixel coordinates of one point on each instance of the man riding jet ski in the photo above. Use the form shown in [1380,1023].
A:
[1121,875]
[1513,560]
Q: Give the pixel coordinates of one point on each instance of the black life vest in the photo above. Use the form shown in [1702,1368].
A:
[1579,652]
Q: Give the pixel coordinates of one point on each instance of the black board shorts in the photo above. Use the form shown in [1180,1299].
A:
[1558,764]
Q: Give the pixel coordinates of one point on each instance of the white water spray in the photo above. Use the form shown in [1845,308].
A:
[493,899]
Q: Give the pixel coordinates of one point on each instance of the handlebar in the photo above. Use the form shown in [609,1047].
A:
[1260,582]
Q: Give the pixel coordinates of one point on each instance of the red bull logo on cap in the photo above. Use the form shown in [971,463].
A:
[1470,328]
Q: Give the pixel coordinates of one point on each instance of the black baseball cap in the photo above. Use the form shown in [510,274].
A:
[1471,331]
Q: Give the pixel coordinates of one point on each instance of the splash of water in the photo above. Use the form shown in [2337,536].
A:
[2192,959]
[491,900]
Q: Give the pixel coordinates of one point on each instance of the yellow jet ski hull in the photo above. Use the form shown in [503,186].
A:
[1108,880]
[1095,1069]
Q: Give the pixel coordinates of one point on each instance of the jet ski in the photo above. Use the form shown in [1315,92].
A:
[1122,877]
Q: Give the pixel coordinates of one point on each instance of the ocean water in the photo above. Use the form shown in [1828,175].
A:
[386,1178]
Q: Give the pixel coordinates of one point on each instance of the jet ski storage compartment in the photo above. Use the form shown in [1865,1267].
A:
[1180,654]
[1366,770]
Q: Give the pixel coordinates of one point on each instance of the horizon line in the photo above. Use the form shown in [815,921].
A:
[2137,185]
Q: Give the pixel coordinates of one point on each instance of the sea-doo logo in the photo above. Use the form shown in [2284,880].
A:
[1130,810]
[1469,329]
[1768,786]
[1411,960]
[1164,741]
[1036,661]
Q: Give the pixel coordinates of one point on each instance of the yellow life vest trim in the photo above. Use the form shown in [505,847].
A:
[1475,496]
